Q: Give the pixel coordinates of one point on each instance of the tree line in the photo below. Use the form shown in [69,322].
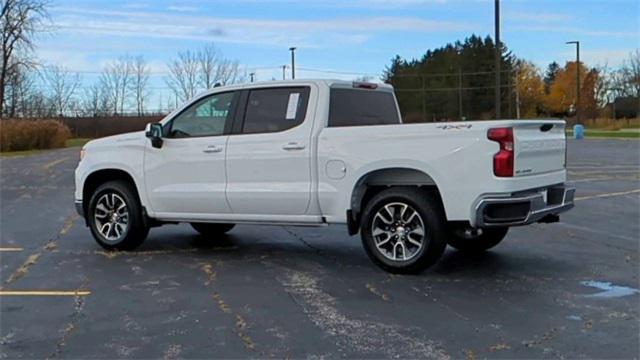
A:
[456,82]
[452,82]
[31,89]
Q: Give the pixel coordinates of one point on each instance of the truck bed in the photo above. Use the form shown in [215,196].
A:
[456,156]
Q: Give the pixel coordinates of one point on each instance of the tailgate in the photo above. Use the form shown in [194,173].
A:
[539,147]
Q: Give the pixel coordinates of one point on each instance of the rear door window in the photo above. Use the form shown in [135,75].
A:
[353,107]
[275,109]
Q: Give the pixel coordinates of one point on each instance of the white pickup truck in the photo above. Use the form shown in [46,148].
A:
[318,152]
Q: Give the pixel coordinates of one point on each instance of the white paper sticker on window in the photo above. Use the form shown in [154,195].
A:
[292,107]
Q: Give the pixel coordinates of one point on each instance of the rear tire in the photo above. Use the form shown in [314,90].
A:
[210,230]
[403,230]
[115,216]
[489,238]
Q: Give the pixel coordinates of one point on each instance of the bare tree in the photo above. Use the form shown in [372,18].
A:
[364,78]
[62,85]
[116,81]
[228,72]
[95,101]
[632,72]
[20,21]
[37,105]
[18,86]
[208,59]
[193,71]
[183,75]
[140,82]
[24,96]
[602,88]
[618,84]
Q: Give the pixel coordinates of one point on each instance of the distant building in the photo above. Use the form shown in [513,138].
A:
[626,107]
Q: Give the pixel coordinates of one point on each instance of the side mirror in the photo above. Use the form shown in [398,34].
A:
[153,132]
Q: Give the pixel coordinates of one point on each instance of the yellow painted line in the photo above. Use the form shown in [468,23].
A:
[10,249]
[607,195]
[43,293]
[49,165]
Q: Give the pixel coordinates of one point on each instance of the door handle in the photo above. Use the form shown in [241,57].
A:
[293,146]
[212,149]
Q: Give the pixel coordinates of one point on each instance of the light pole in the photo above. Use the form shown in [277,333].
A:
[252,75]
[284,72]
[498,57]
[577,43]
[293,62]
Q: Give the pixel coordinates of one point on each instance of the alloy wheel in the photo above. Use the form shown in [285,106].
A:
[111,216]
[398,231]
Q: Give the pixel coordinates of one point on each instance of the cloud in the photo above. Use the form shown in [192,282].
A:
[137,5]
[365,4]
[574,31]
[382,4]
[309,33]
[536,17]
[216,32]
[182,8]
[72,60]
[612,58]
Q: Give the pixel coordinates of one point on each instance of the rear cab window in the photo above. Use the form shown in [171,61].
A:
[362,107]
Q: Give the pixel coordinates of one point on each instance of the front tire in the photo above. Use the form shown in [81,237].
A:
[211,230]
[403,230]
[467,241]
[115,216]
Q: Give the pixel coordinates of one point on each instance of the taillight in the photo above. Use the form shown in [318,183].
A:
[503,159]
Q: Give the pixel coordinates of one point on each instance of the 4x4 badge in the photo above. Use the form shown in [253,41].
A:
[457,127]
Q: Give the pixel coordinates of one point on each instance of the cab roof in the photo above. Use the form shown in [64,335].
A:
[298,82]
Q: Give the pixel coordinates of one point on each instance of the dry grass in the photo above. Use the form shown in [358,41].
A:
[20,135]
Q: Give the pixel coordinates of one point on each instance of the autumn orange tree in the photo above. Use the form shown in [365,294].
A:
[529,89]
[562,93]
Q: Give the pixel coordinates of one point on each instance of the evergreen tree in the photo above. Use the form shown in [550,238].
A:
[550,75]
[463,73]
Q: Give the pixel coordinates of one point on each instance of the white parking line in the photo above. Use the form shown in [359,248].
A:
[44,293]
[8,249]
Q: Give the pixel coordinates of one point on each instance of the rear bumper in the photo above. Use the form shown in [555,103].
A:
[524,208]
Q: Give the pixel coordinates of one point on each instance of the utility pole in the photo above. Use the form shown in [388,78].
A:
[252,75]
[577,43]
[284,72]
[293,62]
[460,94]
[498,56]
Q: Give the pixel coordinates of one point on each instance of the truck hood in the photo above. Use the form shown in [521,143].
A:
[117,140]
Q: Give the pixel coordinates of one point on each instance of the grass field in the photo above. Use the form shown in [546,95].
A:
[75,142]
[609,134]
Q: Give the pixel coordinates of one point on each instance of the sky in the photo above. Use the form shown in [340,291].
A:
[335,39]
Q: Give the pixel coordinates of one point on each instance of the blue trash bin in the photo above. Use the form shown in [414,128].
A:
[578,132]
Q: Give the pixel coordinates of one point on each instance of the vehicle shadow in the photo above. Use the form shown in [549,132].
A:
[342,252]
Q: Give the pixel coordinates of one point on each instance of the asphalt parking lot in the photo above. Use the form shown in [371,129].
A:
[566,290]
